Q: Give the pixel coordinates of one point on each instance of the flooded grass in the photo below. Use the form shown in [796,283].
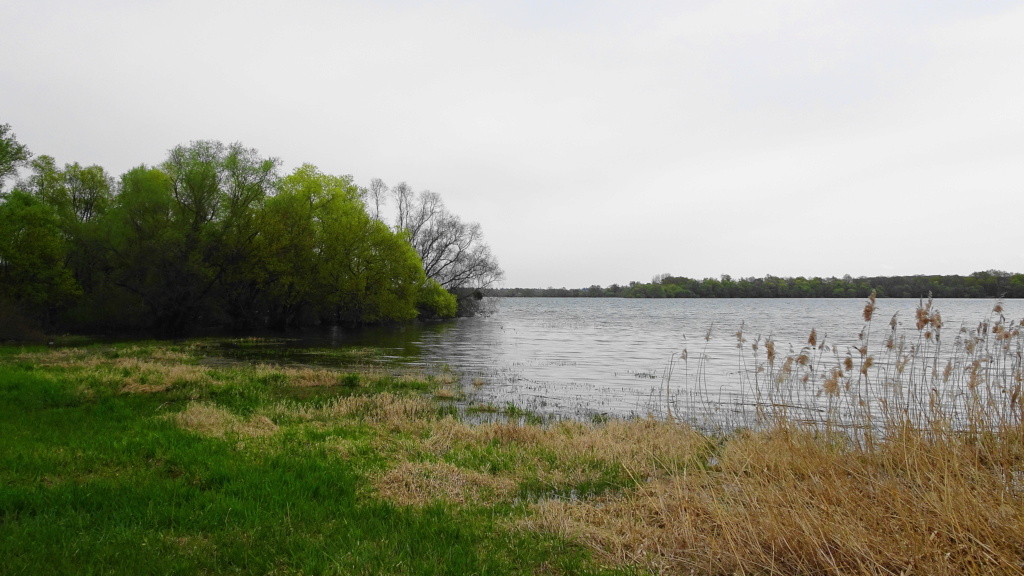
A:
[172,458]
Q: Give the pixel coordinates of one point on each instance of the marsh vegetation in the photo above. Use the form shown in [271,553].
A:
[168,458]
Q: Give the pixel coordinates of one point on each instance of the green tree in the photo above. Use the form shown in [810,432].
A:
[33,274]
[436,302]
[77,194]
[184,234]
[146,255]
[13,154]
[325,259]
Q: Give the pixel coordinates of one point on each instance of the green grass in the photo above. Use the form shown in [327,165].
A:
[98,480]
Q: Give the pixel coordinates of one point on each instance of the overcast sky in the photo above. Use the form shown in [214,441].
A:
[595,142]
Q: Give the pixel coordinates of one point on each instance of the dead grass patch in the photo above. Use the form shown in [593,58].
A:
[643,448]
[785,502]
[215,422]
[133,370]
[445,393]
[308,377]
[420,483]
[561,456]
[134,388]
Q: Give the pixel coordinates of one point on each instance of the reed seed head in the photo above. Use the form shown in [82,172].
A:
[813,338]
[787,369]
[831,385]
[869,310]
[868,363]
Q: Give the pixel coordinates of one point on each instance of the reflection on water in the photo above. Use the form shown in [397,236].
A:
[578,357]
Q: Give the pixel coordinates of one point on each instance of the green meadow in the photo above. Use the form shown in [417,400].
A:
[140,459]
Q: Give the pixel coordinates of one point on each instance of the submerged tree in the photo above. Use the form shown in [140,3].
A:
[181,236]
[212,236]
[325,257]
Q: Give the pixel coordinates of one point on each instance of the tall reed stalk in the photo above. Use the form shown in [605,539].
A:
[901,454]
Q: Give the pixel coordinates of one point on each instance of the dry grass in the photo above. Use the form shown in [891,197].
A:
[141,369]
[445,393]
[133,370]
[420,483]
[386,413]
[642,448]
[216,422]
[457,462]
[784,502]
[904,458]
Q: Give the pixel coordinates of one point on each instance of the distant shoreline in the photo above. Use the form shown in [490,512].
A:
[987,284]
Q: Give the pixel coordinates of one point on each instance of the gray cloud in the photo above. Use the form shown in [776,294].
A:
[595,142]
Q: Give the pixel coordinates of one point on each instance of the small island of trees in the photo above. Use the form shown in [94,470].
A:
[214,236]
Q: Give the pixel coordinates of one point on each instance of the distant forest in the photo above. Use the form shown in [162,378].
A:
[988,284]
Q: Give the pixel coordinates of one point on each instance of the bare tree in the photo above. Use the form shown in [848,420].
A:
[378,194]
[404,198]
[453,252]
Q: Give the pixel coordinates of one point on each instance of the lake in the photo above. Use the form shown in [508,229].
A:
[581,357]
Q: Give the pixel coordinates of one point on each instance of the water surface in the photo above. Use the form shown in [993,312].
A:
[611,356]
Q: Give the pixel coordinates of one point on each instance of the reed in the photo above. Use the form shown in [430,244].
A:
[904,456]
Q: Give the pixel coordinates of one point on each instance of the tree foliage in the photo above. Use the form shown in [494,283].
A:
[325,257]
[212,236]
[13,154]
[32,264]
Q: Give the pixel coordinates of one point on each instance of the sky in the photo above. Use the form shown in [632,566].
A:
[595,142]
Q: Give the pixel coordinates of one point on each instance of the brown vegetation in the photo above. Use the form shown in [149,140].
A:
[904,461]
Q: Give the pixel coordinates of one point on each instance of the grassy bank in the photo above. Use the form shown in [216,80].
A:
[158,458]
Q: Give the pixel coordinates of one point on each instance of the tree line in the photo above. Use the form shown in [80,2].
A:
[216,236]
[987,284]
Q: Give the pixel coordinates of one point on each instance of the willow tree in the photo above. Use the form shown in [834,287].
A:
[326,260]
[182,235]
